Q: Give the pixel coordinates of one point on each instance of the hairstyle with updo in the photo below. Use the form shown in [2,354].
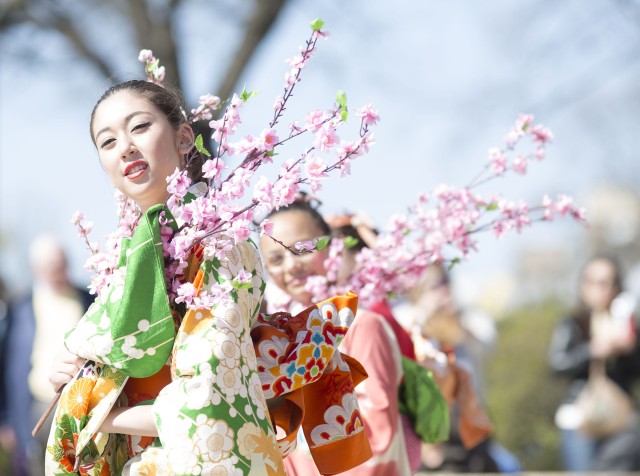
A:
[170,102]
[308,204]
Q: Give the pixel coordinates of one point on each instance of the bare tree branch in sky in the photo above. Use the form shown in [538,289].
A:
[153,25]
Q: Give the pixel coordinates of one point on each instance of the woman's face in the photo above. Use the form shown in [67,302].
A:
[137,146]
[598,286]
[288,271]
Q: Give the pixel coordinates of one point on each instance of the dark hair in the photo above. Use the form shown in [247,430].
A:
[615,264]
[170,102]
[583,313]
[304,204]
[351,231]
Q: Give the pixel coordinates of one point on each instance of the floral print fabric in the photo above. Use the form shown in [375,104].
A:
[299,361]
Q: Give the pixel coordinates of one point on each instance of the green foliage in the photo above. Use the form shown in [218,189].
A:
[522,393]
[322,243]
[5,461]
[200,147]
[152,66]
[491,206]
[350,242]
[341,99]
[317,24]
[453,262]
[246,95]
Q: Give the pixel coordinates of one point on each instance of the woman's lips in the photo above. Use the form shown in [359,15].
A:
[297,282]
[135,169]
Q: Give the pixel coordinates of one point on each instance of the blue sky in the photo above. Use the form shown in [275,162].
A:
[448,78]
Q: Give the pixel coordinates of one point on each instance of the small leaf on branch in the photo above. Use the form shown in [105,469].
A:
[317,24]
[153,65]
[200,147]
[271,153]
[454,262]
[492,206]
[322,243]
[351,241]
[341,99]
[246,95]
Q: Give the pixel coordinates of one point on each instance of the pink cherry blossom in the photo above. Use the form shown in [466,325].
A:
[179,183]
[524,121]
[305,246]
[285,191]
[318,287]
[266,227]
[207,104]
[262,193]
[240,230]
[315,167]
[268,139]
[296,61]
[326,137]
[212,168]
[295,128]
[146,56]
[498,161]
[77,218]
[278,104]
[564,204]
[210,101]
[314,120]
[512,137]
[541,134]
[369,115]
[519,165]
[186,293]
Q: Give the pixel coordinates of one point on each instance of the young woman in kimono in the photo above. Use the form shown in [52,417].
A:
[123,410]
[370,341]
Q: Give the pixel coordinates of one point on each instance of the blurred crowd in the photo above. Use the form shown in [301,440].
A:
[594,348]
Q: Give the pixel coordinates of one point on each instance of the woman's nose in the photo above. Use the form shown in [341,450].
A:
[127,148]
[292,264]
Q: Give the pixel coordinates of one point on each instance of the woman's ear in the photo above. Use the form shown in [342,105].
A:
[185,138]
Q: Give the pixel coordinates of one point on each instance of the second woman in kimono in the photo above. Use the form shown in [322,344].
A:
[370,341]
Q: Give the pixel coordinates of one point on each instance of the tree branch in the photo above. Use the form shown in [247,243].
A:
[262,19]
[157,36]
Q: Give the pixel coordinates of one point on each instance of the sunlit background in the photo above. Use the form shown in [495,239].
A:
[448,79]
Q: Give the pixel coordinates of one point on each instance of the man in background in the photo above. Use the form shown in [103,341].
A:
[37,325]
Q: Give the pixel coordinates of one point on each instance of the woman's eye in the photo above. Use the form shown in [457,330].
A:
[275,260]
[107,143]
[138,127]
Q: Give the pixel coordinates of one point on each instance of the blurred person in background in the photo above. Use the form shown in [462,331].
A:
[601,329]
[361,228]
[7,435]
[466,336]
[37,324]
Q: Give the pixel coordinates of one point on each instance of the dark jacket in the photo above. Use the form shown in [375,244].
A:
[569,356]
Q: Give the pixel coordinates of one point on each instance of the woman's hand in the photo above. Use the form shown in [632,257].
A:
[65,366]
[138,420]
[602,347]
